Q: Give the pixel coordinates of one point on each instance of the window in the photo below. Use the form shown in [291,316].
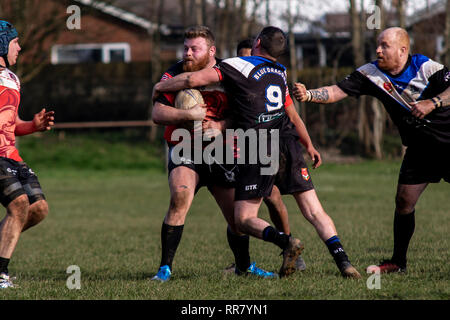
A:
[97,53]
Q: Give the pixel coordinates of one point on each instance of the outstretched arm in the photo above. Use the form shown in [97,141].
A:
[187,80]
[305,139]
[328,94]
[42,121]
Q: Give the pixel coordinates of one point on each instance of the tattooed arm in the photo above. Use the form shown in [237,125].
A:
[329,94]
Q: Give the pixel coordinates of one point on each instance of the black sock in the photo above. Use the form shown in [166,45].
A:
[4,265]
[170,239]
[240,247]
[271,234]
[404,225]
[337,251]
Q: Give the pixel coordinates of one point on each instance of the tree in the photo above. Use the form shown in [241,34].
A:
[37,25]
[358,55]
[447,34]
[378,110]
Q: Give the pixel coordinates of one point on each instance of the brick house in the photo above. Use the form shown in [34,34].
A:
[109,34]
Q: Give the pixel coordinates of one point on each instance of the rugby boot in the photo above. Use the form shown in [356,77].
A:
[386,266]
[349,271]
[5,281]
[253,270]
[300,264]
[163,274]
[290,255]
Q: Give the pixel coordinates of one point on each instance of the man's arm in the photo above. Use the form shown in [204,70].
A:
[328,94]
[42,121]
[305,139]
[421,108]
[167,115]
[185,80]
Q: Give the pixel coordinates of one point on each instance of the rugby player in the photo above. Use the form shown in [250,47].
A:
[187,177]
[20,191]
[414,91]
[258,92]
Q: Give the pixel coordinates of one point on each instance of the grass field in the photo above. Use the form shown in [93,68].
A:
[107,221]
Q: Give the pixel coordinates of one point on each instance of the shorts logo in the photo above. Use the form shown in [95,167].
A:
[388,87]
[251,187]
[14,172]
[305,174]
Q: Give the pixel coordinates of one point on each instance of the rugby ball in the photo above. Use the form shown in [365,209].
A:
[187,99]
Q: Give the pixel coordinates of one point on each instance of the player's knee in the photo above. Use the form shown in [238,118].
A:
[403,205]
[19,207]
[179,202]
[314,216]
[39,210]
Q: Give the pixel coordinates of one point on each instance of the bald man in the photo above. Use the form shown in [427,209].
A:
[415,92]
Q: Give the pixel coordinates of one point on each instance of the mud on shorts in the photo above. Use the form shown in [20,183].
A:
[16,179]
[428,163]
[223,175]
[292,176]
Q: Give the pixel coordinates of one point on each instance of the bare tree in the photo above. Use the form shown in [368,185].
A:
[379,117]
[37,25]
[447,34]
[358,55]
[224,28]
[184,10]
[243,18]
[198,12]
[293,56]
[157,16]
[401,15]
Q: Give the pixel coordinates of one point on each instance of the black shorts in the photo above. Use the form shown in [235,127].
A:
[425,164]
[16,179]
[292,176]
[223,175]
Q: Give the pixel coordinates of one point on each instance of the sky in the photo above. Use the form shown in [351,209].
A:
[316,8]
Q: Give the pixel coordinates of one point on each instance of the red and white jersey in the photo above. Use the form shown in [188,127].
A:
[9,107]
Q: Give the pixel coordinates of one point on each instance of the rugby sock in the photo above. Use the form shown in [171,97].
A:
[337,251]
[170,239]
[271,234]
[404,225]
[240,247]
[4,265]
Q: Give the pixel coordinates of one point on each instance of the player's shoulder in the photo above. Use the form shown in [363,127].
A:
[249,64]
[8,79]
[429,66]
[174,70]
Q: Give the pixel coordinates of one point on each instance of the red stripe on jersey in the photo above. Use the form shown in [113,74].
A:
[219,73]
[288,100]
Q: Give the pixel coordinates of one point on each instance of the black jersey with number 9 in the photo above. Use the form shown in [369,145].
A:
[258,93]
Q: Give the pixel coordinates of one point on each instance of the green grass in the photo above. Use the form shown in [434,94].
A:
[108,223]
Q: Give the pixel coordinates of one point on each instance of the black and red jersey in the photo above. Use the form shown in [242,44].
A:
[214,97]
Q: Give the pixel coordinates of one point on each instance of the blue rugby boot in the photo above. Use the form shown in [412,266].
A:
[163,274]
[253,270]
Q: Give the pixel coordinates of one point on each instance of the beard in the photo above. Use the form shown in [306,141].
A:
[195,65]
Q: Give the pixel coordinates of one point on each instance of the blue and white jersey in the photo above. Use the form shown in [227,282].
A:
[421,78]
[258,93]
